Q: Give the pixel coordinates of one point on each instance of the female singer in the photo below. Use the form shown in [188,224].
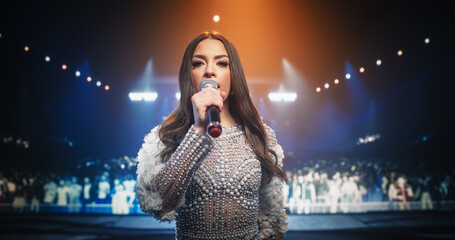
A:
[228,187]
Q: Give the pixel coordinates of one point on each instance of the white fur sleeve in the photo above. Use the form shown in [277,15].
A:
[272,213]
[161,187]
[149,164]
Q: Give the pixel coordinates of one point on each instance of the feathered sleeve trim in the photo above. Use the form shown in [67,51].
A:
[272,215]
[149,165]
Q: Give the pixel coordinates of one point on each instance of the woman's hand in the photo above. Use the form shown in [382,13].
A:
[201,101]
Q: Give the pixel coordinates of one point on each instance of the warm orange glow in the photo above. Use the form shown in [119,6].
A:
[216,18]
[89,79]
[336,81]
[106,87]
[399,53]
[64,67]
[26,48]
[318,89]
[362,70]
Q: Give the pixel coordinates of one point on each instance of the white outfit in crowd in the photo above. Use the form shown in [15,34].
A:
[50,192]
[350,193]
[62,195]
[87,188]
[103,189]
[75,191]
[121,201]
[334,194]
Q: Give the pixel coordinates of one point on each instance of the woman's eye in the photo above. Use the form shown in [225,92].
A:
[196,63]
[224,64]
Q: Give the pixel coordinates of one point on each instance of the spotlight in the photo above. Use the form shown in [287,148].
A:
[26,48]
[89,79]
[145,96]
[318,89]
[282,96]
[77,73]
[64,67]
[362,70]
[400,53]
[106,87]
[98,83]
[47,59]
[378,62]
[0,35]
[326,85]
[336,81]
[216,18]
[427,40]
[348,76]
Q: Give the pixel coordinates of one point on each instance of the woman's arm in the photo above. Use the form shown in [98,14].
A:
[160,186]
[272,218]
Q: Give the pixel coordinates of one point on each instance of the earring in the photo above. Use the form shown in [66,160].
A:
[232,93]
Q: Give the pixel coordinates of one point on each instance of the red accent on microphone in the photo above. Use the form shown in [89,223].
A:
[215,132]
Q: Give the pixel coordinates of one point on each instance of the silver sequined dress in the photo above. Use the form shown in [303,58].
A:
[211,187]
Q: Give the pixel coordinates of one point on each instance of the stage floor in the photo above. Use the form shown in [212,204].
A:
[391,225]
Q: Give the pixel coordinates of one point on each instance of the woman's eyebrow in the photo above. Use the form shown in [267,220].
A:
[205,58]
[221,56]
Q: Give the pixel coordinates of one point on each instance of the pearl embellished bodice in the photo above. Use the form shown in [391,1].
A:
[222,198]
[212,187]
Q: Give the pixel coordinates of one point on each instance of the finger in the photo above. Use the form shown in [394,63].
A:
[207,98]
[223,95]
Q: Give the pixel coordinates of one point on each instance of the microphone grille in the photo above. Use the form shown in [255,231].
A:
[208,82]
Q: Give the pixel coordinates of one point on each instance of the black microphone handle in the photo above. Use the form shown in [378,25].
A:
[213,121]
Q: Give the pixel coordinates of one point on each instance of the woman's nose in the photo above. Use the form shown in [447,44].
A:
[209,72]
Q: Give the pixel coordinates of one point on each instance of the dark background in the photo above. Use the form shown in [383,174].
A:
[299,45]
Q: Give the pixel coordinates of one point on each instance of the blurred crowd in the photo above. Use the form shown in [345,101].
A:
[337,185]
[66,193]
[341,185]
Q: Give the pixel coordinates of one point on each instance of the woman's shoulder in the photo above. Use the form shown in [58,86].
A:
[270,134]
[153,135]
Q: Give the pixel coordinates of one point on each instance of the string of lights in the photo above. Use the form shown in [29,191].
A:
[65,67]
[278,96]
[362,69]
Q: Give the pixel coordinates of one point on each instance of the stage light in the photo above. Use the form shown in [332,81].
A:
[177,95]
[362,70]
[326,85]
[400,53]
[216,18]
[0,35]
[318,89]
[98,83]
[77,73]
[26,48]
[64,67]
[47,59]
[89,79]
[106,87]
[336,81]
[368,139]
[348,76]
[427,40]
[282,96]
[143,96]
[378,62]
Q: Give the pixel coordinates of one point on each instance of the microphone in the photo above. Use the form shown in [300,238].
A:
[213,112]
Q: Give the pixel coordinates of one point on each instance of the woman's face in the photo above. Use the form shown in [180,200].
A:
[210,60]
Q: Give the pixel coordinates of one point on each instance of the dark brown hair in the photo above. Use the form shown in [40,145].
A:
[174,128]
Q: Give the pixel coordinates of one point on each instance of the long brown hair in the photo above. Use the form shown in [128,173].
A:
[175,126]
